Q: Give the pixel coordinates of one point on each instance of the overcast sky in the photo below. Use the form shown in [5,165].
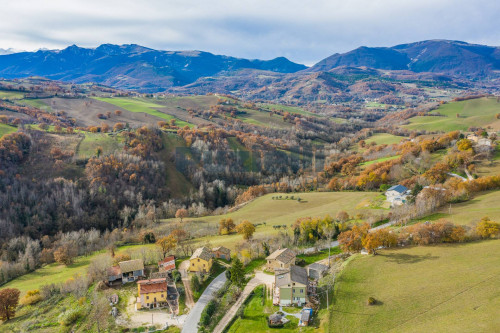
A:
[303,31]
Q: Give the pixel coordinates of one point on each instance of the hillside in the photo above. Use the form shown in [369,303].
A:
[459,116]
[432,288]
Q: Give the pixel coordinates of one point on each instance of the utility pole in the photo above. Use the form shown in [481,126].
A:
[327,291]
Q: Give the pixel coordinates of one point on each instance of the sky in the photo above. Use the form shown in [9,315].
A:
[303,31]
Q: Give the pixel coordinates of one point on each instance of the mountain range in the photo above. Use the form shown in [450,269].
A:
[139,68]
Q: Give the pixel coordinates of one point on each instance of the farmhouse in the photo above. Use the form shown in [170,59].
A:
[152,294]
[167,264]
[291,287]
[131,270]
[114,275]
[396,195]
[222,252]
[280,259]
[201,260]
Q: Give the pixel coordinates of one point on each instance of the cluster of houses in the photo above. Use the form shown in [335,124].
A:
[159,290]
[293,285]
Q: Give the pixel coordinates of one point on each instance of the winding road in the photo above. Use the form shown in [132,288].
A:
[193,318]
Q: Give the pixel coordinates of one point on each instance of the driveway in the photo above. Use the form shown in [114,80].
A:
[137,318]
[260,278]
[193,318]
[187,283]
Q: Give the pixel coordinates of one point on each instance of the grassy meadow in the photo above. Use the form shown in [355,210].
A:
[144,106]
[378,160]
[6,129]
[286,212]
[479,112]
[11,95]
[469,212]
[108,143]
[446,288]
[384,139]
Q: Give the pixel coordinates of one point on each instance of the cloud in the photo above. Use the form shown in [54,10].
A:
[304,31]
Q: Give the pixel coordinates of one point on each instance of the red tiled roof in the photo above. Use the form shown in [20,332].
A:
[153,286]
[168,263]
[167,259]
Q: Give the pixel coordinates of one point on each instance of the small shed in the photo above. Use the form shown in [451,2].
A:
[305,316]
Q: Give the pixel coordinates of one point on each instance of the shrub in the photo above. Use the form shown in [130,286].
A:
[31,297]
[70,316]
[371,301]
[206,315]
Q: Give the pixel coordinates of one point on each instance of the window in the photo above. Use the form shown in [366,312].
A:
[301,291]
[198,260]
[147,297]
[192,264]
[161,295]
[203,265]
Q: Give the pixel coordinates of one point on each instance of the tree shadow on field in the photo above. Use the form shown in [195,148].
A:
[404,258]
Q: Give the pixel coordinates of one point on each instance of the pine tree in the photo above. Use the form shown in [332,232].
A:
[237,273]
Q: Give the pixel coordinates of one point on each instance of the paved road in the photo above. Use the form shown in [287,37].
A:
[193,318]
[260,278]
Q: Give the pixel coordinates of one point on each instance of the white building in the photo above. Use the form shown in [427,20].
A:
[397,194]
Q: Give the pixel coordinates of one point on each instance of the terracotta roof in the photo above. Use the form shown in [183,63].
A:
[167,263]
[296,274]
[284,255]
[202,253]
[131,265]
[114,271]
[152,286]
[221,249]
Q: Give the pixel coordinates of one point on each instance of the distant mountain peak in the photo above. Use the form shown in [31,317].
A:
[132,66]
[437,55]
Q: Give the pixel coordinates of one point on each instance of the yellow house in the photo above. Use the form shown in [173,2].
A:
[201,260]
[151,294]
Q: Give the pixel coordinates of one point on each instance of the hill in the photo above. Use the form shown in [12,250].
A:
[131,66]
[471,113]
[267,212]
[429,288]
[437,56]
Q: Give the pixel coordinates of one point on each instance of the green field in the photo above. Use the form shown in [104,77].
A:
[255,317]
[473,113]
[376,105]
[384,139]
[11,95]
[37,103]
[286,212]
[378,160]
[485,204]
[144,106]
[447,288]
[108,143]
[53,273]
[6,129]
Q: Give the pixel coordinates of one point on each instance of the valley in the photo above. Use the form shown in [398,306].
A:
[194,187]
